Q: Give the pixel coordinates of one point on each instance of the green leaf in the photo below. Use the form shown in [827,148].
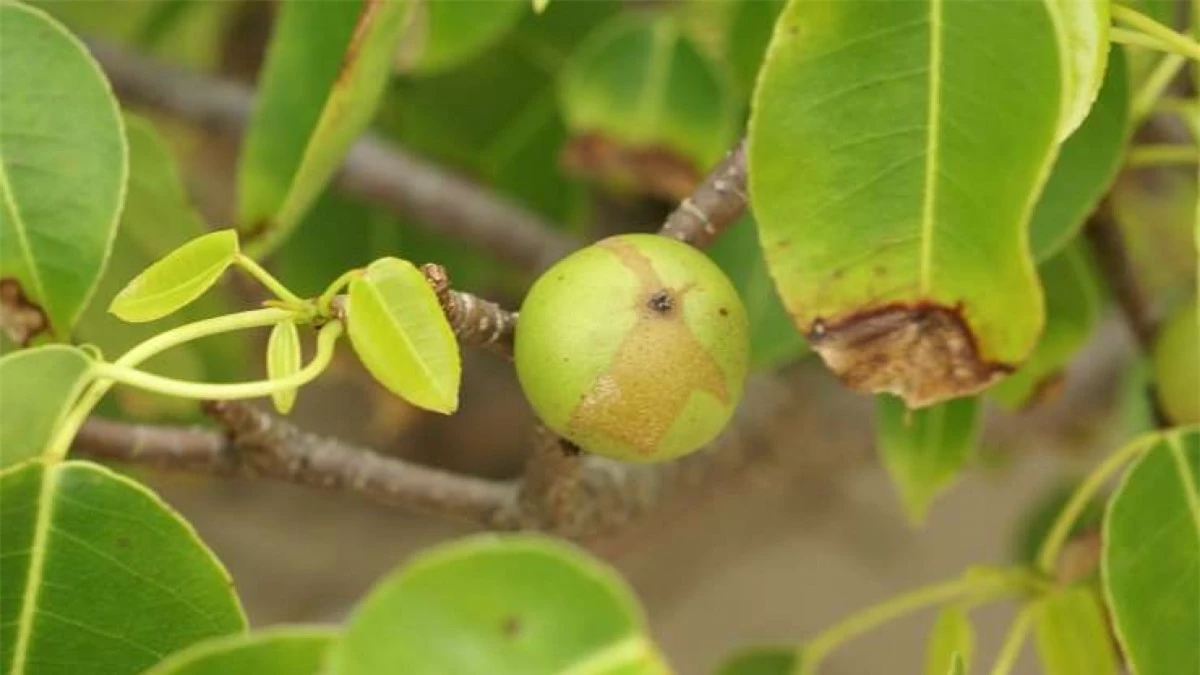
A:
[1086,166]
[401,335]
[283,359]
[958,665]
[1083,33]
[1176,358]
[749,32]
[762,660]
[447,33]
[877,134]
[540,6]
[1072,310]
[1072,635]
[156,220]
[325,70]
[923,450]
[774,340]
[499,604]
[63,163]
[952,638]
[290,650]
[1150,564]
[647,109]
[37,386]
[100,576]
[176,280]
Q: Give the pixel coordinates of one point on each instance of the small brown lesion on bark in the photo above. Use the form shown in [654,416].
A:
[20,318]
[924,353]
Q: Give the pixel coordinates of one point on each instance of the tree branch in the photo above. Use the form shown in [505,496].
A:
[475,321]
[374,169]
[717,203]
[1107,243]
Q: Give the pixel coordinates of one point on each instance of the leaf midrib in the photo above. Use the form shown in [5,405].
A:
[1190,494]
[37,559]
[22,237]
[929,194]
[401,330]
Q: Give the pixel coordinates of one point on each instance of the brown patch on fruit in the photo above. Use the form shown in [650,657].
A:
[650,169]
[923,353]
[20,318]
[661,350]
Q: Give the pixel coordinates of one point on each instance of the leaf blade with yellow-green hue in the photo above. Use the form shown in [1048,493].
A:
[1150,562]
[1071,634]
[1083,33]
[447,33]
[325,70]
[100,576]
[1176,359]
[951,637]
[37,386]
[1086,166]
[63,164]
[402,336]
[176,280]
[1072,309]
[283,359]
[923,450]
[502,605]
[875,139]
[762,661]
[288,650]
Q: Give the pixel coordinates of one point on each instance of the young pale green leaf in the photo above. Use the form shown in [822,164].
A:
[502,605]
[100,576]
[762,661]
[1176,358]
[873,175]
[952,638]
[283,359]
[774,340]
[1071,634]
[176,280]
[958,665]
[923,450]
[289,650]
[1150,564]
[326,68]
[647,109]
[401,335]
[1082,27]
[63,163]
[1086,166]
[37,386]
[447,33]
[155,197]
[1072,309]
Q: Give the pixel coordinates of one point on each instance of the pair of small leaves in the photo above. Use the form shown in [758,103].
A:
[100,576]
[63,166]
[37,386]
[401,334]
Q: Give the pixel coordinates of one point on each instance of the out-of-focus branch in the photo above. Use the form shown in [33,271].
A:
[717,203]
[373,169]
[1112,256]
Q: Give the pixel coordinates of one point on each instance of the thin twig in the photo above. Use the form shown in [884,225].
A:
[476,321]
[373,169]
[717,203]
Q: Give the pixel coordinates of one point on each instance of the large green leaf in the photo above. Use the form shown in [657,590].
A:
[156,220]
[923,450]
[500,605]
[402,336]
[290,650]
[63,163]
[1072,309]
[1072,635]
[896,150]
[326,68]
[446,33]
[1086,165]
[37,388]
[100,576]
[762,660]
[1177,365]
[177,279]
[1150,564]
[648,110]
[952,637]
[774,340]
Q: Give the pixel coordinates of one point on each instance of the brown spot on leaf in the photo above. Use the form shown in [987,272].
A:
[655,370]
[20,318]
[123,542]
[511,626]
[361,28]
[650,169]
[923,353]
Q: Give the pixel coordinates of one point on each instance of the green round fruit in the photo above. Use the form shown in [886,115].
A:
[634,348]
